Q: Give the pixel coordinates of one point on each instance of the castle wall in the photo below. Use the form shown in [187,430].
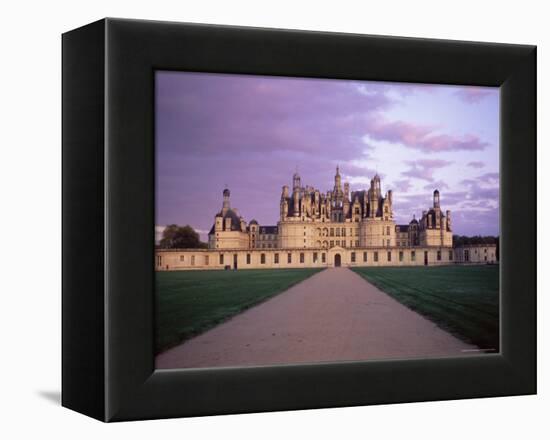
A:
[208,259]
[476,253]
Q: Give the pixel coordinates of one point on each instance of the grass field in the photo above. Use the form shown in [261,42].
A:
[190,302]
[463,300]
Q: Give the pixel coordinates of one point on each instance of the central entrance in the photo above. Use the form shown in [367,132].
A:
[337,260]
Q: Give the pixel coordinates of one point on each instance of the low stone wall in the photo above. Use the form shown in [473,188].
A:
[211,259]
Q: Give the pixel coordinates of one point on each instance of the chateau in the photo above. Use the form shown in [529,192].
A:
[315,229]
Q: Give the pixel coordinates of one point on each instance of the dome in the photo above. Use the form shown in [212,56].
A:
[226,192]
[253,222]
[235,220]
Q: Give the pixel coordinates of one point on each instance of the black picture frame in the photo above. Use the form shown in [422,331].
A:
[108,219]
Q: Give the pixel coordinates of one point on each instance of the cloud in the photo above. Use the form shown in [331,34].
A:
[420,137]
[476,164]
[439,184]
[424,168]
[490,178]
[472,95]
[402,186]
[221,114]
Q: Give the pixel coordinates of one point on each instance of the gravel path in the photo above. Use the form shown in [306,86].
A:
[334,315]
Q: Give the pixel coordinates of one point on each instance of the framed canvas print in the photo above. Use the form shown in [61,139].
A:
[261,219]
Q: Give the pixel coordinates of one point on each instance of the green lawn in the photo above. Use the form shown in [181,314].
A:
[463,300]
[190,302]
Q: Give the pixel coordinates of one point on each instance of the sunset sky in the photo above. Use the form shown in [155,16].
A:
[252,132]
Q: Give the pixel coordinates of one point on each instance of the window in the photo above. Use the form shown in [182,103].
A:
[338,232]
[276,258]
[401,256]
[450,255]
[466,255]
[247,258]
[304,233]
[332,232]
[413,256]
[337,242]
[315,257]
[159,260]
[389,256]
[356,243]
[206,260]
[324,257]
[331,243]
[365,257]
[182,257]
[262,259]
[192,260]
[343,232]
[353,257]
[301,257]
[387,230]
[289,258]
[221,258]
[376,256]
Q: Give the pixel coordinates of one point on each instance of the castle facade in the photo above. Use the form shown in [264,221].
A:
[336,228]
[311,219]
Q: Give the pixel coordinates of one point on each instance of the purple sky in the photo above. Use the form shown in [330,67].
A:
[252,132]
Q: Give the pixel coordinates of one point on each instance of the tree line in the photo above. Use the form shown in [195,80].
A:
[459,240]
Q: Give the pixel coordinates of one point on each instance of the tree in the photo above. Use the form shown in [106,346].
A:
[181,237]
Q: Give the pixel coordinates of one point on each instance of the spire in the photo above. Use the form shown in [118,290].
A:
[337,181]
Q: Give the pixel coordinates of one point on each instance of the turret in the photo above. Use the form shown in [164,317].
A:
[436,199]
[296,196]
[375,183]
[296,181]
[337,180]
[226,205]
[284,193]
